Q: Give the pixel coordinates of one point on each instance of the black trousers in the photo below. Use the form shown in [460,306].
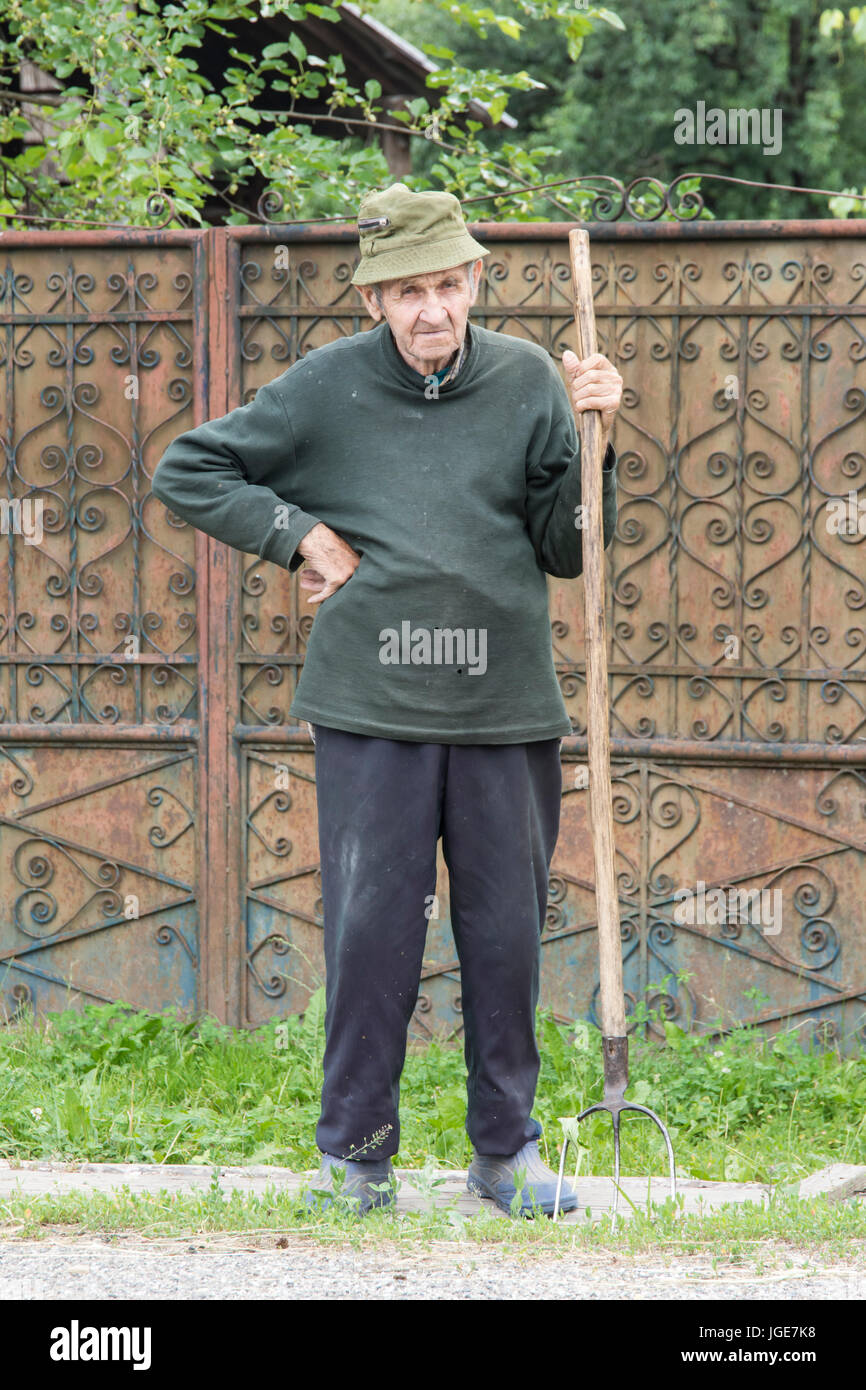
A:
[382,805]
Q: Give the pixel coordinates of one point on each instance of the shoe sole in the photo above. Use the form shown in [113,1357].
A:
[322,1197]
[315,1203]
[479,1188]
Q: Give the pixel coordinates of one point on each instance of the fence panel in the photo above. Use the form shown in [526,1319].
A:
[102,359]
[737,587]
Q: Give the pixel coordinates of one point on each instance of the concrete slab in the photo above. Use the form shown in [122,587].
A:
[838,1182]
[595,1193]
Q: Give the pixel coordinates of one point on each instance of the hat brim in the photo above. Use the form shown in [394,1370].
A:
[423,259]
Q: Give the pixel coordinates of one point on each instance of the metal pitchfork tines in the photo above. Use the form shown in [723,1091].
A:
[615,1055]
[614,1040]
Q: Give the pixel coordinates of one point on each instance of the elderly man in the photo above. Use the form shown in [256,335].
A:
[428,471]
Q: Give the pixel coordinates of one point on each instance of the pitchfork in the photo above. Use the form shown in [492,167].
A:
[614,1040]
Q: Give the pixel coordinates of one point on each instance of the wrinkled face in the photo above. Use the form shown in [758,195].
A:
[427,313]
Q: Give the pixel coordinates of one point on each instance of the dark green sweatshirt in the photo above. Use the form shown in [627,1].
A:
[457,502]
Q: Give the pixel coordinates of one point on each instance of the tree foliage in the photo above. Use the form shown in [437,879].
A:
[139,119]
[614,112]
[142,113]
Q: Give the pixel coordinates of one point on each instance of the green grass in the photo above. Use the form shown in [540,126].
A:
[108,1084]
[746,1233]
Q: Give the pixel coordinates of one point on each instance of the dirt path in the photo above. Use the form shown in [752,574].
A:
[225,1267]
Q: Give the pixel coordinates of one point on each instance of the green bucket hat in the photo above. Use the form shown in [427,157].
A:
[404,233]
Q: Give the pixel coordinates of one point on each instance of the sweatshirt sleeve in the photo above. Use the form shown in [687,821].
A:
[227,477]
[553,491]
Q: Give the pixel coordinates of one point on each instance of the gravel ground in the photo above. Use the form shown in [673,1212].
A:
[225,1268]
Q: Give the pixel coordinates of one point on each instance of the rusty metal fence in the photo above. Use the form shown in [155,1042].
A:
[157,804]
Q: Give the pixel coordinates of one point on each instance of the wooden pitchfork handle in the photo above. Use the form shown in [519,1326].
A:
[614,1039]
[598,737]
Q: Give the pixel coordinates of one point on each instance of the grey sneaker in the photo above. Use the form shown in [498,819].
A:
[360,1178]
[493,1175]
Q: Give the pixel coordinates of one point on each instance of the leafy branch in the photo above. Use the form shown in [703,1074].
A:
[137,116]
